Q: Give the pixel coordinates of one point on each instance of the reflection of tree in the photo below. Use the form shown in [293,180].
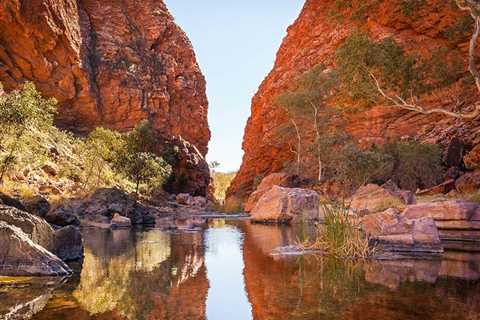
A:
[147,280]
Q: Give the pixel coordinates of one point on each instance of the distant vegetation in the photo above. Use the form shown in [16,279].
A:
[221,182]
[35,155]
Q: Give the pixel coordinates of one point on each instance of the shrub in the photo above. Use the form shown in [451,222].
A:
[415,165]
[138,161]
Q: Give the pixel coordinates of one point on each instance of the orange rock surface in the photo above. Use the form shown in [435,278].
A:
[313,39]
[109,63]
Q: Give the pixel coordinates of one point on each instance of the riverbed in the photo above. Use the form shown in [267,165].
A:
[227,272]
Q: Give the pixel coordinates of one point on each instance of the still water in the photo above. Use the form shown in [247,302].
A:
[227,272]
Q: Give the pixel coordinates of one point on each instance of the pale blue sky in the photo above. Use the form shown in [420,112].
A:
[235,43]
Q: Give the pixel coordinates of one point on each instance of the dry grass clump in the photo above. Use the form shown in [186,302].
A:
[340,235]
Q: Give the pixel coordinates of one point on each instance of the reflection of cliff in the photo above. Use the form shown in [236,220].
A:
[150,275]
[312,287]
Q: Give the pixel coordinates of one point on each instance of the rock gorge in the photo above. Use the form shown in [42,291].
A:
[418,26]
[111,64]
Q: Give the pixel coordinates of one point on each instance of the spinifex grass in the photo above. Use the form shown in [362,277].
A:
[340,235]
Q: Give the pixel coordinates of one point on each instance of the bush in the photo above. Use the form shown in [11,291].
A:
[415,165]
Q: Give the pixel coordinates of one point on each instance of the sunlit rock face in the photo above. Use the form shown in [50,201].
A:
[109,63]
[313,39]
[149,275]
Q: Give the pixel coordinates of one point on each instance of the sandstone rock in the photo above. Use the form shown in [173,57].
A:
[68,243]
[37,205]
[191,173]
[119,221]
[390,231]
[108,201]
[373,198]
[444,210]
[183,198]
[469,182]
[109,63]
[34,227]
[285,205]
[50,169]
[11,202]
[472,159]
[62,216]
[442,188]
[20,256]
[275,179]
[455,219]
[312,40]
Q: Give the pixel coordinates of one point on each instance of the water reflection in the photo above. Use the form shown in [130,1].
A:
[227,272]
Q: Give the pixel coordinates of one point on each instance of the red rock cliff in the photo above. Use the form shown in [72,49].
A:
[313,39]
[108,62]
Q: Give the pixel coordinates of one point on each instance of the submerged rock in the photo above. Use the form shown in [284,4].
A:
[286,205]
[20,256]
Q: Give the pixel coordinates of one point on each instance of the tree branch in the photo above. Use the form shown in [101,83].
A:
[399,102]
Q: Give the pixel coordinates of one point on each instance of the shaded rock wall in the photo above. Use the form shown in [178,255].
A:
[321,28]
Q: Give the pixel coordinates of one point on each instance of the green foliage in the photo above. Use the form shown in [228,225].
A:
[409,7]
[399,72]
[221,182]
[21,111]
[415,165]
[460,30]
[357,167]
[139,162]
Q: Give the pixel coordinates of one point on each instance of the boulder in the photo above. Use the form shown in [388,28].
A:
[37,205]
[285,205]
[442,188]
[183,198]
[469,182]
[62,216]
[11,202]
[275,179]
[108,201]
[50,169]
[373,198]
[20,256]
[472,159]
[119,221]
[457,220]
[37,229]
[445,210]
[68,243]
[390,231]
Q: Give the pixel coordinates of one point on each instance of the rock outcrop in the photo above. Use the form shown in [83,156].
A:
[108,63]
[455,219]
[313,39]
[20,256]
[373,198]
[275,179]
[287,205]
[36,229]
[391,232]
